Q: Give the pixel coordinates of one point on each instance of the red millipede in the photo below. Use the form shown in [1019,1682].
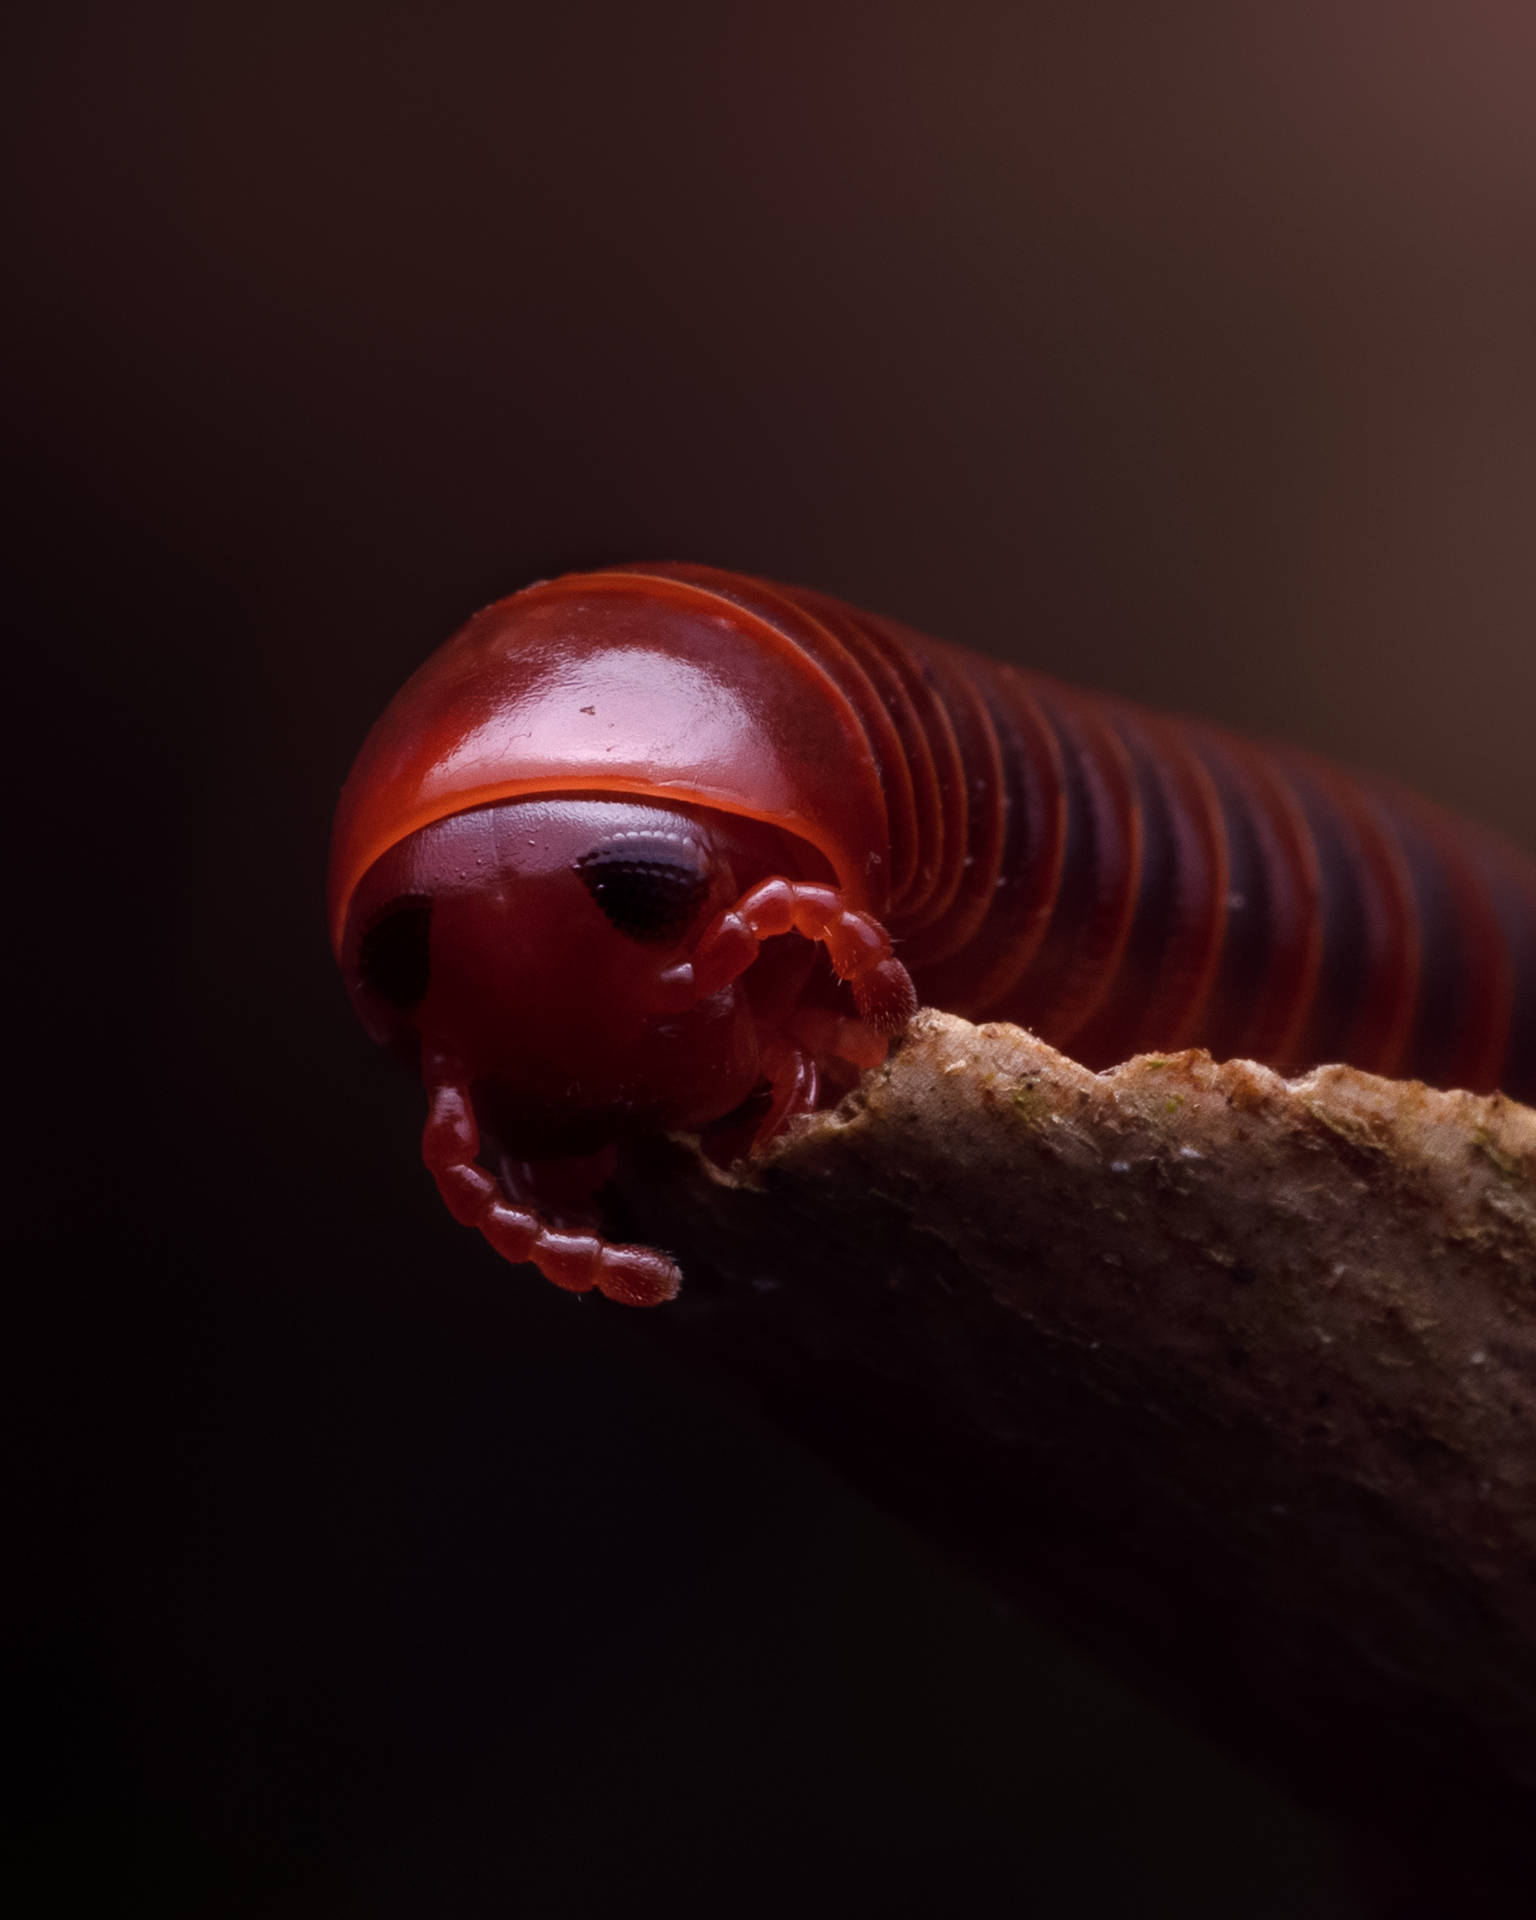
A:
[638,849]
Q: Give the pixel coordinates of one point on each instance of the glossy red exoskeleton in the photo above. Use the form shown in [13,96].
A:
[639,849]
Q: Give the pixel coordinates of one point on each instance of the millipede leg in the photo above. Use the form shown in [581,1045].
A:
[856,943]
[576,1261]
[796,1083]
[829,1035]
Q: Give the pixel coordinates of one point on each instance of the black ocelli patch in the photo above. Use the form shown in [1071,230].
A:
[394,955]
[650,886]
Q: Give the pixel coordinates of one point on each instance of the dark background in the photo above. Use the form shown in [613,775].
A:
[1185,351]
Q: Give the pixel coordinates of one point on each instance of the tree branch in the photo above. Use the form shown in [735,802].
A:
[1233,1377]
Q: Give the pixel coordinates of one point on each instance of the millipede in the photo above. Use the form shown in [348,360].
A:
[667,848]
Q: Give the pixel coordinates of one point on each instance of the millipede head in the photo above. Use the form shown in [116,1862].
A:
[527,938]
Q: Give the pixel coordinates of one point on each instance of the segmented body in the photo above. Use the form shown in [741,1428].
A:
[664,848]
[1119,881]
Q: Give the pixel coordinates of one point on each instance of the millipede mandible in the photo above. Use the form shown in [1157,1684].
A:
[665,847]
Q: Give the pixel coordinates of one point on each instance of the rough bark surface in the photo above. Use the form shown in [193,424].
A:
[1234,1377]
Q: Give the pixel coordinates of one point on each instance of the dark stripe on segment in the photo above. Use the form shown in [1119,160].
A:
[1246,917]
[1378,1038]
[1171,952]
[1283,1001]
[1434,1038]
[1117,1027]
[1032,811]
[1118,845]
[1091,917]
[1463,1012]
[917,823]
[1346,964]
[1512,895]
[1176,1008]
[1488,1014]
[944,731]
[978,801]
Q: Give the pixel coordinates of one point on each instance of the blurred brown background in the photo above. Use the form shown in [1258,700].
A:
[1181,350]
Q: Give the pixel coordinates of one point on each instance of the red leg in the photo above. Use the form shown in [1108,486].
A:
[796,1082]
[856,943]
[830,1035]
[794,1086]
[576,1261]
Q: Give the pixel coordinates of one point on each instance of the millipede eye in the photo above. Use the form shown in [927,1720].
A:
[649,889]
[394,955]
